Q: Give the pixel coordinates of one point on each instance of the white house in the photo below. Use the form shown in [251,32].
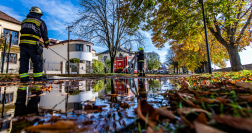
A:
[57,98]
[57,53]
[9,24]
[103,56]
[94,57]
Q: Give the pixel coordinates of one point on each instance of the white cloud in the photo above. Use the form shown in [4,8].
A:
[57,13]
[11,12]
[146,34]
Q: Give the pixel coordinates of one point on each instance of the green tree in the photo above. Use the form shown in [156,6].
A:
[98,85]
[153,60]
[75,60]
[108,65]
[154,85]
[229,22]
[97,66]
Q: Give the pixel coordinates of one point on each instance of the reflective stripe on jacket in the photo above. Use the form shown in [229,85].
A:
[32,29]
[140,56]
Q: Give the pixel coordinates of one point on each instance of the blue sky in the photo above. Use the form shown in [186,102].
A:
[58,13]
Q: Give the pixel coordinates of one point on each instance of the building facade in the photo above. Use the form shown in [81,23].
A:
[9,25]
[103,56]
[80,49]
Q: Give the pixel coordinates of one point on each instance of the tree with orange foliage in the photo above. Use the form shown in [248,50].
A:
[229,22]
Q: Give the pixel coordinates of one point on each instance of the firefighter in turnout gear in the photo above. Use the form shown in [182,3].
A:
[27,105]
[32,29]
[140,61]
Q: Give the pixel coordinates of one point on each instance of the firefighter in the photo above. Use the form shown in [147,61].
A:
[120,54]
[141,88]
[32,29]
[140,61]
[25,105]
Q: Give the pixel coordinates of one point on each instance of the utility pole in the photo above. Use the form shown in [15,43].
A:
[68,49]
[8,58]
[207,45]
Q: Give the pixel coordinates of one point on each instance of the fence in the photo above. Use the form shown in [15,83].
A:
[228,69]
[13,65]
[50,67]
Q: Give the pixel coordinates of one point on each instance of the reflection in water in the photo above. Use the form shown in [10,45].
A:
[26,105]
[72,94]
[59,99]
[142,89]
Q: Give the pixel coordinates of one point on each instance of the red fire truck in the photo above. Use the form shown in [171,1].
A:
[122,86]
[121,62]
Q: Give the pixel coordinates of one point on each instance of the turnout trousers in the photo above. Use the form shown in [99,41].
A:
[140,68]
[25,105]
[26,52]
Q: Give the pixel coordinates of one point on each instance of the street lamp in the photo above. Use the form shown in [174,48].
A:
[207,45]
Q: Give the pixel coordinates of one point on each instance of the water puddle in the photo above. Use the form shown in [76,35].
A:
[94,105]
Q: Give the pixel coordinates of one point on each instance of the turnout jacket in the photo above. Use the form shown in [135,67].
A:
[32,29]
[140,56]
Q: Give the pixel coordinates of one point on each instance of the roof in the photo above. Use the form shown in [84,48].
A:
[121,49]
[66,41]
[78,40]
[6,17]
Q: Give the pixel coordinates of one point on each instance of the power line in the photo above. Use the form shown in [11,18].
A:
[60,34]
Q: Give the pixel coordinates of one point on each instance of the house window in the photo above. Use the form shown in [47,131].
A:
[88,48]
[79,47]
[14,40]
[12,59]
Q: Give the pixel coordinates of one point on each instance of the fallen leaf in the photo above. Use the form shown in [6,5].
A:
[165,113]
[195,83]
[222,100]
[152,130]
[236,122]
[205,93]
[185,85]
[186,111]
[60,126]
[54,118]
[186,121]
[124,105]
[93,107]
[249,98]
[201,128]
[143,108]
[230,81]
[187,101]
[200,99]
[243,84]
[201,118]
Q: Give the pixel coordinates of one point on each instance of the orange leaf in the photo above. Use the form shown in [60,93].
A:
[201,118]
[201,128]
[235,122]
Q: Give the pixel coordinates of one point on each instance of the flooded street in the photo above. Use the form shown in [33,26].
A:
[106,105]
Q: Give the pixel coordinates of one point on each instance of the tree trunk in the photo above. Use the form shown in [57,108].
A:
[112,64]
[174,67]
[234,56]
